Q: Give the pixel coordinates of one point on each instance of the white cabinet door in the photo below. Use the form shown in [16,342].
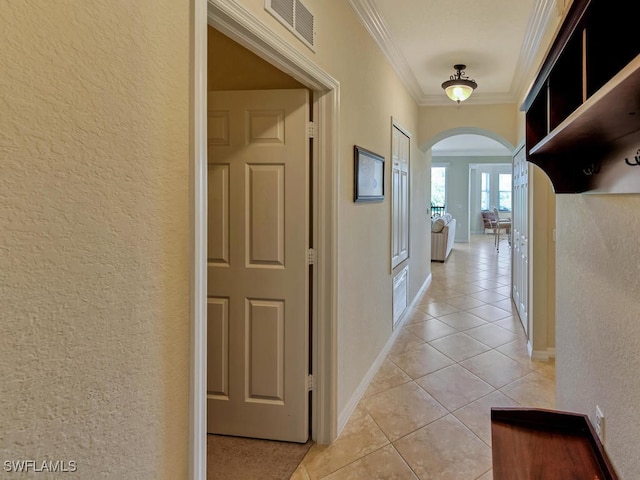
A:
[400,148]
[520,232]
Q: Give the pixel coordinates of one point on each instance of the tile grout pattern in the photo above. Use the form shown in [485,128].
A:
[426,413]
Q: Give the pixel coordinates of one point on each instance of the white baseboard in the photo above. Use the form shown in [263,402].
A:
[541,355]
[346,413]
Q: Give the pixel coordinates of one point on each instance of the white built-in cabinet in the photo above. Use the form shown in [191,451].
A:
[533,266]
[520,233]
[400,147]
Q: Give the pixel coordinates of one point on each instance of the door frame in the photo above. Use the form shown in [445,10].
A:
[239,24]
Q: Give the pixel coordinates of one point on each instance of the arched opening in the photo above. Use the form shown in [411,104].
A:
[471,172]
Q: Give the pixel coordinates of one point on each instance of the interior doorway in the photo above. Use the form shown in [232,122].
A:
[454,152]
[243,28]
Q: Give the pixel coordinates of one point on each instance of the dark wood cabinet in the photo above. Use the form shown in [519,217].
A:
[583,110]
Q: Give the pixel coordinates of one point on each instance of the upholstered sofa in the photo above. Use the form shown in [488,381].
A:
[443,234]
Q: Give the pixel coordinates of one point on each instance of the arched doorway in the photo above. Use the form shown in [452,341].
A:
[462,159]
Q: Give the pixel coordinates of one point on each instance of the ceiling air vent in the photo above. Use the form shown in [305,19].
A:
[296,17]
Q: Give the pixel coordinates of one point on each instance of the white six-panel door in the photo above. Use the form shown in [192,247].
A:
[521,236]
[258,228]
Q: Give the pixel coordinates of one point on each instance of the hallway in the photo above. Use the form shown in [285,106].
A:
[461,351]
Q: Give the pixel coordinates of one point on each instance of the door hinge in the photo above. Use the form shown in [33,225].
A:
[311,129]
[311,256]
[311,382]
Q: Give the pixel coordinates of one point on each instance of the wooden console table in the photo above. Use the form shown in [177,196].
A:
[535,444]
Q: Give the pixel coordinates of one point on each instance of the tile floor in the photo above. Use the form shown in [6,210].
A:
[462,350]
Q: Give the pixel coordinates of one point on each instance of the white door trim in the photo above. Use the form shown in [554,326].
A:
[239,24]
[198,178]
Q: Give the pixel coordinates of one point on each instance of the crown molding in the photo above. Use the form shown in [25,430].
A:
[545,11]
[373,22]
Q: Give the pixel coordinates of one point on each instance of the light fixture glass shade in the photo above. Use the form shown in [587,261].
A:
[459,87]
[459,90]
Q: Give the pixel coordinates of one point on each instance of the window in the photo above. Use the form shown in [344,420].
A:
[438,189]
[485,191]
[504,192]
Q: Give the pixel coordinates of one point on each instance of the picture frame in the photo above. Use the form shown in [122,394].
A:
[368,176]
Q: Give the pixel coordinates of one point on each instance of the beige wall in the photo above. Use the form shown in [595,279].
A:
[370,95]
[542,263]
[94,235]
[499,119]
[233,67]
[598,327]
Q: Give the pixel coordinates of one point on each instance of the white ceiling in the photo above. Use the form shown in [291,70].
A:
[423,39]
[496,39]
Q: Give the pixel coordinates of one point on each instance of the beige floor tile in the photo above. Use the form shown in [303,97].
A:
[445,450]
[489,296]
[504,290]
[517,350]
[548,369]
[490,272]
[360,437]
[431,330]
[300,473]
[382,464]
[402,410]
[477,415]
[495,368]
[404,341]
[466,288]
[535,390]
[506,305]
[420,360]
[454,386]
[489,313]
[511,323]
[492,335]
[464,302]
[388,376]
[459,346]
[487,476]
[417,316]
[462,320]
[438,309]
[488,282]
[469,290]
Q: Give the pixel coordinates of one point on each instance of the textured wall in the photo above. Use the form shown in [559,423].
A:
[94,236]
[598,317]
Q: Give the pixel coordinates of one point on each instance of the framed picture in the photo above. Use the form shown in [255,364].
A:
[368,176]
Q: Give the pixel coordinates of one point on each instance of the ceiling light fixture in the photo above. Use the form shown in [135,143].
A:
[459,87]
